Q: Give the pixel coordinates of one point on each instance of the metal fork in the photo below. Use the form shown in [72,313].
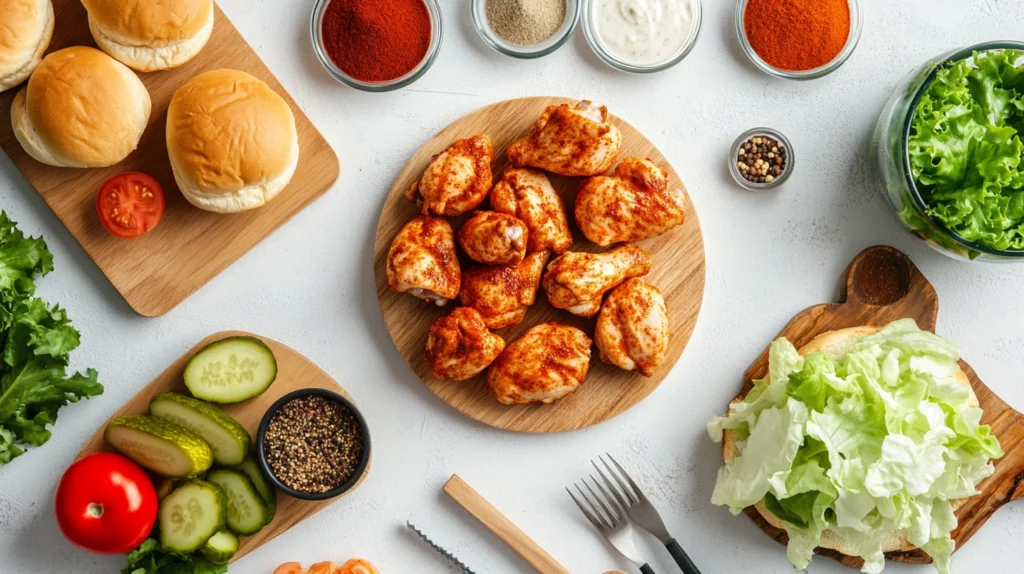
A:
[612,523]
[642,512]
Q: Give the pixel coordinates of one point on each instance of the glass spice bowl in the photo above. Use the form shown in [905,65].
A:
[894,176]
[856,27]
[594,40]
[734,151]
[436,38]
[503,46]
[261,441]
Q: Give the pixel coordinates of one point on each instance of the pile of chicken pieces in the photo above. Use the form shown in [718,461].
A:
[512,244]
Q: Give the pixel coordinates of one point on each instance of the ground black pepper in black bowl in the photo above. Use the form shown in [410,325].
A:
[314,444]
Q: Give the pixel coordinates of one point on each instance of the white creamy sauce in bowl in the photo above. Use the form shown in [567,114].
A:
[643,32]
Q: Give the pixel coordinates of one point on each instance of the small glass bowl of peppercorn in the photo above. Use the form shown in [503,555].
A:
[799,39]
[377,47]
[525,29]
[313,444]
[761,159]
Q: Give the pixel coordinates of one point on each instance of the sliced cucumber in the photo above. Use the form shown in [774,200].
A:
[263,486]
[247,512]
[221,547]
[231,370]
[159,445]
[191,514]
[228,440]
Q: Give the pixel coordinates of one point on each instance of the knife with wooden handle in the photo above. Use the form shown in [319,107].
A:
[502,527]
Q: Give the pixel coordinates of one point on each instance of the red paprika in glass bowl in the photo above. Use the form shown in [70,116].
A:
[784,38]
[377,46]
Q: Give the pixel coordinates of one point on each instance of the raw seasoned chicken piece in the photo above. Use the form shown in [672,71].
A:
[570,140]
[527,194]
[457,179]
[502,294]
[493,238]
[577,281]
[632,329]
[422,261]
[460,347]
[547,363]
[634,204]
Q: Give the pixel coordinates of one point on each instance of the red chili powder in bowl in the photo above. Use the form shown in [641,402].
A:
[376,40]
[797,35]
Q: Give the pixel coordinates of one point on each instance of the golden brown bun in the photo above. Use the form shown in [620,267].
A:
[25,32]
[149,35]
[835,344]
[81,108]
[231,140]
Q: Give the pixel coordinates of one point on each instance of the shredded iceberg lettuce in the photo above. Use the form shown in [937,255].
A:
[880,441]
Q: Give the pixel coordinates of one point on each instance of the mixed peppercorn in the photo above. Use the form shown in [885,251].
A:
[314,444]
[762,159]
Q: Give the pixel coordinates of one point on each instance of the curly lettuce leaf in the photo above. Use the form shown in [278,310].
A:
[150,558]
[966,152]
[885,438]
[35,345]
[21,260]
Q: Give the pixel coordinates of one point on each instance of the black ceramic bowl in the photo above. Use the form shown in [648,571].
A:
[261,455]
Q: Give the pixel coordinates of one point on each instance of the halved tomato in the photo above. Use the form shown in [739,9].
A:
[130,204]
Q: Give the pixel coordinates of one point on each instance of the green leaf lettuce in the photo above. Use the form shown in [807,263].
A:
[966,152]
[35,343]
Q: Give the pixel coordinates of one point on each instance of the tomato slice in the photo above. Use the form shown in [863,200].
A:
[130,204]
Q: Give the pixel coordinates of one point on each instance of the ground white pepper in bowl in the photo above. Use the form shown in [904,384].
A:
[525,22]
[314,444]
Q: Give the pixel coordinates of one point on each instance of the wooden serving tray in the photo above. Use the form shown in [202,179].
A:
[678,272]
[189,247]
[294,372]
[859,306]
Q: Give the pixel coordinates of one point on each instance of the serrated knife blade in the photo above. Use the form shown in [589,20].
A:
[451,557]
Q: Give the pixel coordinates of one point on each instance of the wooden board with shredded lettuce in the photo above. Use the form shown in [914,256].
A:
[36,340]
[873,445]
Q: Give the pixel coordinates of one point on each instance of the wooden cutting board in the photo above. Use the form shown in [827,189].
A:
[294,372]
[860,305]
[678,272]
[160,269]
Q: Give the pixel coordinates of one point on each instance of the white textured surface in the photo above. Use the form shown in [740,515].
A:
[310,286]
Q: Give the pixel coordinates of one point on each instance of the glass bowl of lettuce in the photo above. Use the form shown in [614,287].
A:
[950,150]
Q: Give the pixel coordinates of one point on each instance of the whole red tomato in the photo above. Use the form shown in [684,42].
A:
[105,503]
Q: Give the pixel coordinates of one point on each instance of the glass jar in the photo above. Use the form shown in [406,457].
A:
[889,148]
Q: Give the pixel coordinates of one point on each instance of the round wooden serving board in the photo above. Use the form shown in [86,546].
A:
[678,272]
[294,372]
[917,300]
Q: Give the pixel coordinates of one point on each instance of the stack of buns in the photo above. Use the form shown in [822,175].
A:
[81,108]
[25,30]
[232,141]
[148,35]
